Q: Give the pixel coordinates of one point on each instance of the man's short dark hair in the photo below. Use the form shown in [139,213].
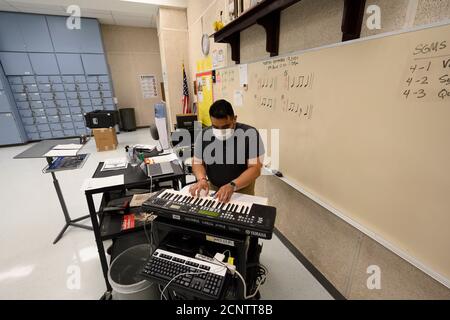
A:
[221,109]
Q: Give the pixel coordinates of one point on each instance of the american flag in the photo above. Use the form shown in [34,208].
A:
[185,99]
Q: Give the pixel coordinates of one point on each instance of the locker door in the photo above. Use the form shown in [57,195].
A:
[91,40]
[10,36]
[44,63]
[15,63]
[35,33]
[94,63]
[5,106]
[64,39]
[70,63]
[9,133]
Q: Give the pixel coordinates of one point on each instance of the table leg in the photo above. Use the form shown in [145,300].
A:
[98,239]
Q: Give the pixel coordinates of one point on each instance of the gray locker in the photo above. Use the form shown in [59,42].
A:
[56,126]
[45,87]
[91,39]
[68,79]
[106,94]
[31,88]
[49,104]
[75,110]
[44,63]
[61,103]
[55,79]
[105,86]
[80,79]
[94,86]
[23,105]
[18,88]
[94,64]
[82,87]
[36,104]
[54,123]
[64,39]
[57,87]
[10,36]
[33,136]
[64,111]
[78,118]
[46,96]
[43,127]
[67,125]
[25,113]
[58,134]
[70,63]
[69,87]
[96,102]
[69,133]
[28,80]
[40,121]
[71,95]
[28,121]
[38,113]
[108,101]
[15,63]
[86,102]
[46,135]
[20,97]
[15,80]
[34,96]
[30,129]
[95,94]
[81,131]
[74,103]
[66,118]
[35,32]
[52,112]
[5,105]
[42,79]
[103,79]
[9,132]
[109,107]
[1,85]
[59,95]
[92,79]
[79,125]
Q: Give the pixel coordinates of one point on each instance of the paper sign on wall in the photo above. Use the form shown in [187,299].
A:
[243,75]
[148,86]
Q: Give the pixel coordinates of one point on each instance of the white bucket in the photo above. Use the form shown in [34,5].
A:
[123,275]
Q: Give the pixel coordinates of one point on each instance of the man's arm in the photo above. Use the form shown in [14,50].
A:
[251,174]
[199,170]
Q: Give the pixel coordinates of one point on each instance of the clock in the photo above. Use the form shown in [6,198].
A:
[205,44]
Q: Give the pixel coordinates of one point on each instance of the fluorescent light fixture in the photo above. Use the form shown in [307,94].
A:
[170,3]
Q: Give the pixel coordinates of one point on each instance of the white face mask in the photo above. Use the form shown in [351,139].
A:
[223,134]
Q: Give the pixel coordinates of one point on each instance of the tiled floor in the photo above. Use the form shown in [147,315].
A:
[31,267]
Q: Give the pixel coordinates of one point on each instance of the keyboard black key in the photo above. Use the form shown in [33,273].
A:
[228,205]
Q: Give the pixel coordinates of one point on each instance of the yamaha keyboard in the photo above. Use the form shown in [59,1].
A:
[238,217]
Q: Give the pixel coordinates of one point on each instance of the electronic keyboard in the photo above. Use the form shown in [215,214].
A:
[238,217]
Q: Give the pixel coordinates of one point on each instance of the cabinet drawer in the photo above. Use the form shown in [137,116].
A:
[68,79]
[43,127]
[23,105]
[40,121]
[71,95]
[67,125]
[18,88]
[51,112]
[55,79]
[61,103]
[46,135]
[42,79]
[49,104]
[75,110]
[109,107]
[38,112]
[81,87]
[30,129]
[15,80]
[69,132]
[81,131]
[74,103]
[54,120]
[33,136]
[36,104]
[66,118]
[69,86]
[79,125]
[93,86]
[87,109]
[57,87]
[96,102]
[28,80]
[92,79]
[46,96]
[60,95]
[103,79]
[80,79]
[55,126]
[45,88]
[58,134]
[28,121]
[95,94]
[105,86]
[31,88]
[34,96]
[20,97]
[64,111]
[25,113]
[78,118]
[107,94]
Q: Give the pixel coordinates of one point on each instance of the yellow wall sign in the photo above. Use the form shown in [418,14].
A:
[204,64]
[204,96]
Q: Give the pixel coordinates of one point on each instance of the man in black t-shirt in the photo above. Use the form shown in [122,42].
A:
[228,156]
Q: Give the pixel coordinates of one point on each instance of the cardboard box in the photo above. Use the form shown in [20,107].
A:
[105,139]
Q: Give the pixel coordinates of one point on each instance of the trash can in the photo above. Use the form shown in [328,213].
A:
[128,118]
[123,275]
